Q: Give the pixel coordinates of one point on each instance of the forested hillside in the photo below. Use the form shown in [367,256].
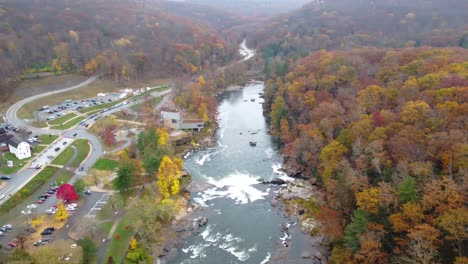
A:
[345,24]
[384,132]
[254,8]
[120,39]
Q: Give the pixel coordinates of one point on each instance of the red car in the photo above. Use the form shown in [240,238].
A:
[12,244]
[47,194]
[39,202]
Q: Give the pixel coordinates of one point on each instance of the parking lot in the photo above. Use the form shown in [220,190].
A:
[48,113]
[97,207]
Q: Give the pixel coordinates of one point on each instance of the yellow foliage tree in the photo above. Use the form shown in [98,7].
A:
[201,80]
[410,217]
[61,213]
[133,243]
[163,137]
[368,200]
[169,174]
[330,157]
[37,221]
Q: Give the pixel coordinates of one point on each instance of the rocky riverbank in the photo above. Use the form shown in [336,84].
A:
[296,200]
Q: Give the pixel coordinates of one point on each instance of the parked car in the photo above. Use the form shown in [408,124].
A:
[3,177]
[57,149]
[12,244]
[81,168]
[1,234]
[88,192]
[74,134]
[8,226]
[40,242]
[47,232]
[4,230]
[2,197]
[64,143]
[39,201]
[50,229]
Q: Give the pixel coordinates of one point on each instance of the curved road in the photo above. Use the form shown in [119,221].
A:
[11,113]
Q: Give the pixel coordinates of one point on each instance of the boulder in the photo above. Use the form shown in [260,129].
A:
[306,255]
[277,181]
[298,189]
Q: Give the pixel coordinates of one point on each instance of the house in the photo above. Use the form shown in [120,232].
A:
[192,124]
[174,120]
[171,119]
[20,148]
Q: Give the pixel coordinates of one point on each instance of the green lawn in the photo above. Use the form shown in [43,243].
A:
[70,123]
[83,149]
[62,119]
[64,157]
[64,177]
[100,106]
[17,164]
[151,103]
[47,139]
[105,164]
[125,229]
[24,193]
[105,227]
[38,149]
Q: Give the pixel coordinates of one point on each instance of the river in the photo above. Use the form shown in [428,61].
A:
[242,226]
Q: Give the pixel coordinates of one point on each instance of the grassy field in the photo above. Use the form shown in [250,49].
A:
[82,93]
[82,147]
[100,106]
[38,149]
[24,193]
[149,104]
[47,139]
[17,164]
[105,164]
[62,119]
[64,177]
[70,123]
[119,243]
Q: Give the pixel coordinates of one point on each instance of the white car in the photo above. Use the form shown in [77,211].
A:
[2,197]
[31,206]
[71,208]
[73,205]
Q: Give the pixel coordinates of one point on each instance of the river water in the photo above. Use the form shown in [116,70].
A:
[242,226]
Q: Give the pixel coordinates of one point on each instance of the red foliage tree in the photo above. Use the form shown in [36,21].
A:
[108,136]
[67,192]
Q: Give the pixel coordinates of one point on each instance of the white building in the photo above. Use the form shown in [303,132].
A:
[20,148]
[174,120]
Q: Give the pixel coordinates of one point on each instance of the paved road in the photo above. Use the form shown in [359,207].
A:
[11,113]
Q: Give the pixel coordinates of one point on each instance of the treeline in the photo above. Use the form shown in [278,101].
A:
[120,39]
[347,24]
[385,133]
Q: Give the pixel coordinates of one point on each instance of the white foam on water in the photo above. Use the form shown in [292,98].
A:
[199,201]
[187,154]
[266,259]
[253,249]
[240,255]
[202,160]
[196,251]
[277,170]
[236,186]
[206,232]
[269,152]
